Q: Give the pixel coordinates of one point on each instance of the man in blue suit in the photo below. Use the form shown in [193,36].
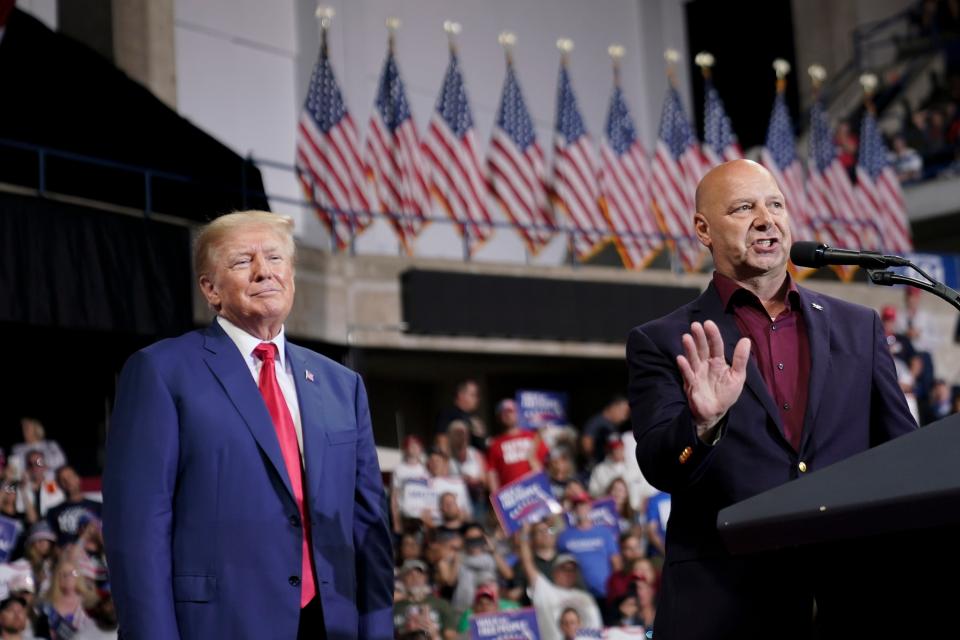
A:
[755,383]
[242,492]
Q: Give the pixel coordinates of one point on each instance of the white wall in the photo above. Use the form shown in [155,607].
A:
[43,10]
[243,68]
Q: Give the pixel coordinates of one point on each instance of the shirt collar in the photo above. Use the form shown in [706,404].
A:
[727,288]
[246,343]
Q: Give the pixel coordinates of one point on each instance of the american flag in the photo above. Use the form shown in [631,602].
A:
[625,187]
[833,203]
[879,189]
[678,164]
[394,159]
[779,156]
[328,156]
[458,178]
[575,187]
[719,141]
[516,166]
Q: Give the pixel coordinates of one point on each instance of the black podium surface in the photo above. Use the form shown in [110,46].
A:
[881,529]
[906,484]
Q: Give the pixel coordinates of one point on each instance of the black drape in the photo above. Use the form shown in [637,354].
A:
[71,267]
[60,94]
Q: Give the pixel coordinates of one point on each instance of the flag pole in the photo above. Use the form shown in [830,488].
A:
[507,40]
[452,29]
[616,52]
[705,61]
[393,24]
[817,76]
[565,45]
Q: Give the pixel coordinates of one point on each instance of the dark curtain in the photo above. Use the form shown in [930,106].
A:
[71,267]
[60,94]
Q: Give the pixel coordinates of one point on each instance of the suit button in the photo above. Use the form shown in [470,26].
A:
[294,581]
[685,454]
[294,521]
[803,467]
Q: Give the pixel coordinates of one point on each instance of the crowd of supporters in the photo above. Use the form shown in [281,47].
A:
[913,339]
[53,573]
[453,559]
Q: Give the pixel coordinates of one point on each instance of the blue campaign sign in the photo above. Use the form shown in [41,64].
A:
[9,532]
[516,624]
[941,266]
[538,409]
[526,499]
[603,513]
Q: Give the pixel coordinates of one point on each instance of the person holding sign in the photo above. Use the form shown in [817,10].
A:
[551,598]
[514,453]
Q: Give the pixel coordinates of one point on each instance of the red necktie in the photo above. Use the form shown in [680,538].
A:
[290,449]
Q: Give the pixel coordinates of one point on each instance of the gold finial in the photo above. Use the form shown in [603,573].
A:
[452,29]
[325,14]
[781,67]
[672,57]
[566,46]
[616,51]
[393,24]
[817,75]
[869,83]
[705,61]
[507,39]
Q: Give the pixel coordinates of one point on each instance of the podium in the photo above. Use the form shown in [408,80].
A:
[887,519]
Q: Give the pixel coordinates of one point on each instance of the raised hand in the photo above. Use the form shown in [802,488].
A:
[711,385]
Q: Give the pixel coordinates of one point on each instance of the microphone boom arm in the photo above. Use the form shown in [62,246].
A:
[888,278]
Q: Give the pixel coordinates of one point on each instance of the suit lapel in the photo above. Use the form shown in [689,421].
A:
[711,308]
[816,315]
[313,395]
[227,364]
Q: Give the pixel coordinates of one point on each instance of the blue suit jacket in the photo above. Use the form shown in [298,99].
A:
[854,403]
[200,524]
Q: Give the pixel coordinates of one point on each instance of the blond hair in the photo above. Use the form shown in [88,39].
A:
[213,235]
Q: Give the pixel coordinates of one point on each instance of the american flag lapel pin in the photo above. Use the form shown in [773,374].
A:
[817,306]
[308,375]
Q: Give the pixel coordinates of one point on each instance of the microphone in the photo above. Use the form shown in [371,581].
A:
[816,255]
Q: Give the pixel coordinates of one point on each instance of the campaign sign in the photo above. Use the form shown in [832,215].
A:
[9,532]
[603,513]
[516,624]
[538,409]
[625,633]
[418,496]
[526,499]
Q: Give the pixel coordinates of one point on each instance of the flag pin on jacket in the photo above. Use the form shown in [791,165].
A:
[308,374]
[816,306]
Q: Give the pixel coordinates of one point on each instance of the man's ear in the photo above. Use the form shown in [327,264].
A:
[210,292]
[702,227]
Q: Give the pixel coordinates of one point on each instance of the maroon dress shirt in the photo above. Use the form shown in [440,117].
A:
[779,346]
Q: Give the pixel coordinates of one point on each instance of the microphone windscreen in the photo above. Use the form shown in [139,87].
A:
[804,254]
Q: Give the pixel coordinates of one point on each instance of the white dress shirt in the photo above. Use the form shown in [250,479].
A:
[246,343]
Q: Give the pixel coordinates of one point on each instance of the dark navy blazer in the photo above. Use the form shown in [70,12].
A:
[854,403]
